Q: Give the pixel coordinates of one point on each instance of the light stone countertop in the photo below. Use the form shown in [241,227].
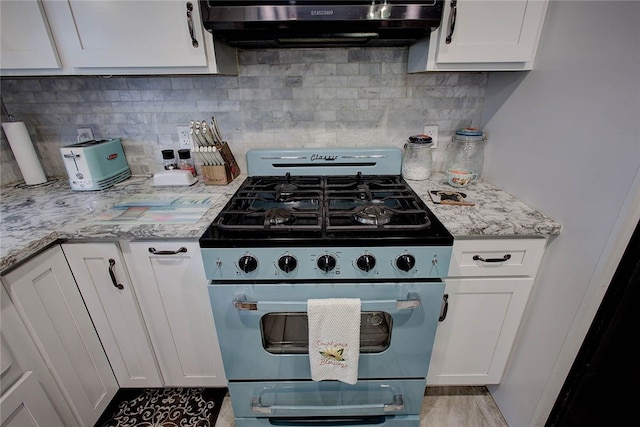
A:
[33,218]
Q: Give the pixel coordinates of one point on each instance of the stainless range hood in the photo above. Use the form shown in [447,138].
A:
[320,23]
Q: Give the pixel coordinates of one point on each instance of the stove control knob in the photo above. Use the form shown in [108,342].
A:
[366,262]
[287,263]
[326,263]
[247,263]
[405,262]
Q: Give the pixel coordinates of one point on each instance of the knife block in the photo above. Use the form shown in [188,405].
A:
[217,175]
[224,174]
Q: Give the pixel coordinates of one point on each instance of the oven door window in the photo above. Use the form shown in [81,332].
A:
[288,333]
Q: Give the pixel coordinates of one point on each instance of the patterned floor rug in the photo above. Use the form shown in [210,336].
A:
[163,407]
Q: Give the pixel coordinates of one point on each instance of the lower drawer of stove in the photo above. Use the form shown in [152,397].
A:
[391,421]
[299,399]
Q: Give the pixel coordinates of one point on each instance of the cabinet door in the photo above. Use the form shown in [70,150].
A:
[26,404]
[20,355]
[474,340]
[172,291]
[485,35]
[104,283]
[25,37]
[45,295]
[134,33]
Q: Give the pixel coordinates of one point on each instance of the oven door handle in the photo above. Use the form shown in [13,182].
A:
[370,408]
[412,302]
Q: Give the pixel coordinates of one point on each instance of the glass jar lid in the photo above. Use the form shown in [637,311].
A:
[469,132]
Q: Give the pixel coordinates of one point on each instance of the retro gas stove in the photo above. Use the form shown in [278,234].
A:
[330,223]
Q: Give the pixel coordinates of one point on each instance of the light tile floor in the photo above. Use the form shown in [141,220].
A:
[443,407]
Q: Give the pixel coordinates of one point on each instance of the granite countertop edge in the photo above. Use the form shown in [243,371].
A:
[33,219]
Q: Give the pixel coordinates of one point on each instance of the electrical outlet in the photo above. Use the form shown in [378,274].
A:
[432,131]
[183,136]
[84,134]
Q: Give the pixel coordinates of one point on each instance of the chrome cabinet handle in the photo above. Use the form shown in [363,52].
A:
[112,264]
[240,302]
[396,405]
[506,257]
[444,308]
[452,21]
[156,252]
[194,42]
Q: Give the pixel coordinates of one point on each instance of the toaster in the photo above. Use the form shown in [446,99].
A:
[95,165]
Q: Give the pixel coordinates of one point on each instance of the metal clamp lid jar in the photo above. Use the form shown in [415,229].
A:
[417,158]
[465,157]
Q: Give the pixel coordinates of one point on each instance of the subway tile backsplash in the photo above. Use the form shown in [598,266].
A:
[281,99]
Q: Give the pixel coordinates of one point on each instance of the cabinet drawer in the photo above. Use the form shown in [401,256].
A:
[496,257]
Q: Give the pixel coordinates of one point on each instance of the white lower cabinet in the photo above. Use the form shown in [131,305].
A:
[29,393]
[169,280]
[473,342]
[103,280]
[487,292]
[26,404]
[46,298]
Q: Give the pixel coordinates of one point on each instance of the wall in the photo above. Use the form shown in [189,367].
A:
[281,98]
[565,139]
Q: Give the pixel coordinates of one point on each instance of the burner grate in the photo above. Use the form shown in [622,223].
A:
[334,205]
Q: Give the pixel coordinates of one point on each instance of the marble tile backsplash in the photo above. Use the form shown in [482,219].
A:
[350,97]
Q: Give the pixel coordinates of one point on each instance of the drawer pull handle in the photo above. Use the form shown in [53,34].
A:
[445,308]
[112,263]
[156,252]
[503,259]
[396,405]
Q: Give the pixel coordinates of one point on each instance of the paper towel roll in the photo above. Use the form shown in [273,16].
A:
[25,154]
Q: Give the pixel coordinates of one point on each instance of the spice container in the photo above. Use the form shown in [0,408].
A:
[417,159]
[169,159]
[185,161]
[465,157]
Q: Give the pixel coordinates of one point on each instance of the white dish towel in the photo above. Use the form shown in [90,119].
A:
[334,338]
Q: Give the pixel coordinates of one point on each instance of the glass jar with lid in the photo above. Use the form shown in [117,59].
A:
[169,160]
[417,159]
[185,161]
[465,157]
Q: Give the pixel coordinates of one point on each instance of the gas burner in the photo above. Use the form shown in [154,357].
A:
[278,216]
[285,190]
[372,215]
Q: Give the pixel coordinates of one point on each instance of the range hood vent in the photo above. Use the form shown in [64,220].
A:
[318,23]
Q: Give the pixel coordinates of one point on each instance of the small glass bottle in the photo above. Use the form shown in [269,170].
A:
[185,161]
[417,159]
[169,159]
[465,157]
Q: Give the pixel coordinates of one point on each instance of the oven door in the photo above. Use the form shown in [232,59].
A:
[263,331]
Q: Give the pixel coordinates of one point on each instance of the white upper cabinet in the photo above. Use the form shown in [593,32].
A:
[128,33]
[117,37]
[478,35]
[25,36]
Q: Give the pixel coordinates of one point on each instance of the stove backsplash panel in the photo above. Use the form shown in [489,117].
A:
[351,97]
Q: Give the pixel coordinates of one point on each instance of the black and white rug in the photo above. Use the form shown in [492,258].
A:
[163,407]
